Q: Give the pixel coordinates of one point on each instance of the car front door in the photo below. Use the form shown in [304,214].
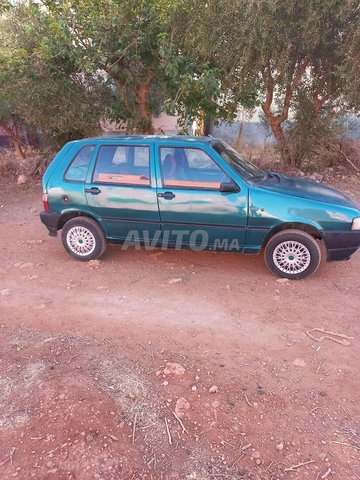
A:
[193,210]
[121,188]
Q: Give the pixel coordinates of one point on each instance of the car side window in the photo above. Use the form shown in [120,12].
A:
[78,168]
[123,165]
[190,168]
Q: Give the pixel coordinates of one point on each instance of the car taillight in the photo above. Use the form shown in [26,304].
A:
[45,202]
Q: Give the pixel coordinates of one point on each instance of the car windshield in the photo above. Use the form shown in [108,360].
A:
[239,163]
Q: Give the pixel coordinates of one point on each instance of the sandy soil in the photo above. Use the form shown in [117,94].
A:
[84,389]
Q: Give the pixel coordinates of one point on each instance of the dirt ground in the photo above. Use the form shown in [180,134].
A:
[86,392]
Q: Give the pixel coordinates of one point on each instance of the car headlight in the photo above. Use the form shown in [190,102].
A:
[356,224]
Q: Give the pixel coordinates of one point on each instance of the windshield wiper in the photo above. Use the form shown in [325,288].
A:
[259,177]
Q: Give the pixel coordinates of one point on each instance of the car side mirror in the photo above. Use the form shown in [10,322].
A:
[229,187]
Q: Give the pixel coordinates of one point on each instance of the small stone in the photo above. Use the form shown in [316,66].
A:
[299,362]
[175,280]
[280,447]
[156,255]
[256,455]
[165,382]
[113,438]
[94,264]
[22,179]
[282,280]
[214,389]
[227,287]
[174,368]
[89,437]
[317,177]
[194,388]
[181,407]
[26,265]
[6,291]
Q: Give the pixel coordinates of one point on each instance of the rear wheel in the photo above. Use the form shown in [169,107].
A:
[293,254]
[83,238]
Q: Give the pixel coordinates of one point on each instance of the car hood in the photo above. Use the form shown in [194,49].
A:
[304,188]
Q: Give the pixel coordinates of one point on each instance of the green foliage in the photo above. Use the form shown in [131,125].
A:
[311,137]
[66,65]
[277,48]
[119,41]
[196,86]
[44,91]
[350,71]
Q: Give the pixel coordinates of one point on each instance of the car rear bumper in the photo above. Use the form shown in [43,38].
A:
[51,222]
[341,245]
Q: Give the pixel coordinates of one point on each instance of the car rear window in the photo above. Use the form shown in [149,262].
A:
[78,168]
[123,165]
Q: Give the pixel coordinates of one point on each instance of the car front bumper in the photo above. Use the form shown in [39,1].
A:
[341,245]
[51,222]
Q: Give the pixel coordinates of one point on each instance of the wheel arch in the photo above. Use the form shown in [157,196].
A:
[66,216]
[305,227]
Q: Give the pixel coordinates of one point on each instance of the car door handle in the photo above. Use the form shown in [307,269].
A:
[93,190]
[166,195]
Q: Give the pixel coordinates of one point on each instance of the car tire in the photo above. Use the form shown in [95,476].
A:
[83,238]
[292,254]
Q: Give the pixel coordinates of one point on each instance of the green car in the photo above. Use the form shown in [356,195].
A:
[192,192]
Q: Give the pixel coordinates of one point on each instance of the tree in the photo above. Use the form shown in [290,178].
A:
[277,47]
[46,92]
[118,41]
[351,68]
[196,85]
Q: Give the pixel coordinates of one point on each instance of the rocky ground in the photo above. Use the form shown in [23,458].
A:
[172,365]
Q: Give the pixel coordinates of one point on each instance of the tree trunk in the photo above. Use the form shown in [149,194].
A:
[278,132]
[238,138]
[19,153]
[275,121]
[18,150]
[142,97]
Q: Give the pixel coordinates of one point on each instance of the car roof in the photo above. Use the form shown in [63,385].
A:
[148,139]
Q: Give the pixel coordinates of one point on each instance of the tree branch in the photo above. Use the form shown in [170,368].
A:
[269,85]
[290,89]
[319,102]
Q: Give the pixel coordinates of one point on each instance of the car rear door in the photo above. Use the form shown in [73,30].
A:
[121,188]
[193,210]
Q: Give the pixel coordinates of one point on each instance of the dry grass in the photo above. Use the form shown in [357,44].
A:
[133,395]
[19,386]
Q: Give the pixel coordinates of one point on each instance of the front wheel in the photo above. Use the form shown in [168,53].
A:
[292,254]
[83,238]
